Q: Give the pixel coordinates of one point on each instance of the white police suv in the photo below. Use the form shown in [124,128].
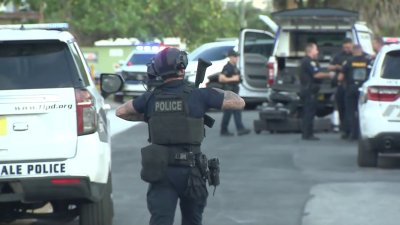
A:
[379,108]
[54,134]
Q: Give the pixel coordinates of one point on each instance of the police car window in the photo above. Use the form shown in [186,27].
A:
[213,54]
[38,64]
[141,59]
[391,65]
[78,60]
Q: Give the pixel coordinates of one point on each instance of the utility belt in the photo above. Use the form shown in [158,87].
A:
[157,158]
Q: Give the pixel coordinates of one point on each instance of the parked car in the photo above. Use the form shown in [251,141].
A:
[134,71]
[379,108]
[215,52]
[54,133]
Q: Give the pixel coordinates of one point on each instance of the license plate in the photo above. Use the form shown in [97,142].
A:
[3,126]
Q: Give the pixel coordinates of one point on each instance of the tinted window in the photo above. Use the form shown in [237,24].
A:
[140,59]
[213,54]
[328,43]
[32,65]
[391,65]
[258,43]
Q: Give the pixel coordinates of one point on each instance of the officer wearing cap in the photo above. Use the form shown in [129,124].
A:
[310,78]
[170,164]
[230,78]
[354,74]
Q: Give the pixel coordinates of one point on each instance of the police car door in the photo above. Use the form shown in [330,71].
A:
[255,47]
[362,35]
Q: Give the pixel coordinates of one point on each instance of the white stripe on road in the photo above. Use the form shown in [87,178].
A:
[369,203]
[118,125]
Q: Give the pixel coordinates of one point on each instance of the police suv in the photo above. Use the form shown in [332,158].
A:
[379,108]
[54,134]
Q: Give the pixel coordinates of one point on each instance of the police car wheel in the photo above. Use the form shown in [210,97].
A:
[98,213]
[367,156]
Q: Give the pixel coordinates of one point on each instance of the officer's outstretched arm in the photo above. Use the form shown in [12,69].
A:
[231,100]
[126,111]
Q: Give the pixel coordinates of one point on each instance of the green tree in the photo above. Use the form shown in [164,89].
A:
[193,21]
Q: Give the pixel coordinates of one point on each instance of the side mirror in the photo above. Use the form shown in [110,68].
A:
[110,83]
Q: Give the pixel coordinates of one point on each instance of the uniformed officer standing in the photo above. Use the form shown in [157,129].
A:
[172,162]
[354,75]
[310,76]
[336,66]
[230,78]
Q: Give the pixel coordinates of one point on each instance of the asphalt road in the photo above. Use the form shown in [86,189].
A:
[268,179]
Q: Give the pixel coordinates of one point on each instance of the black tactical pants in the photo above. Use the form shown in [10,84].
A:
[351,104]
[309,101]
[340,105]
[162,199]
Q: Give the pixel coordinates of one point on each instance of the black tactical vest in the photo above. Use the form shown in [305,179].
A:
[359,71]
[169,122]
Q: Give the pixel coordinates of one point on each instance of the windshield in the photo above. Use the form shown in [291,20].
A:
[140,59]
[32,65]
[391,65]
[210,54]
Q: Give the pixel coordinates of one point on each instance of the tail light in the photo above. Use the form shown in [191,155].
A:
[271,78]
[85,112]
[383,93]
[66,181]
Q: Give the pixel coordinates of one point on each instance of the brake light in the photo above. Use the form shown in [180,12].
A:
[383,93]
[66,181]
[85,112]
[271,78]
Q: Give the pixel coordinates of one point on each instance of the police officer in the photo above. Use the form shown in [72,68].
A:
[336,66]
[310,76]
[230,78]
[174,112]
[354,75]
[377,44]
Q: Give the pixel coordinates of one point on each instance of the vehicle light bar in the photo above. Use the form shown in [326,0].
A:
[35,26]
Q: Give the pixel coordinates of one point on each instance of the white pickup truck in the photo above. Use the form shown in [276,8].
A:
[293,29]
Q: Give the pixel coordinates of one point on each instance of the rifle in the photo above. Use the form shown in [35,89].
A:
[200,73]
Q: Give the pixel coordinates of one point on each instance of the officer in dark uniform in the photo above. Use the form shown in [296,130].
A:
[173,164]
[354,74]
[230,78]
[310,76]
[336,66]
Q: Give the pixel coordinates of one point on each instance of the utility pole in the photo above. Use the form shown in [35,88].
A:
[242,8]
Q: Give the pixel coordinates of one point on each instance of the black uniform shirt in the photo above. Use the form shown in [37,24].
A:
[340,58]
[229,70]
[200,99]
[308,68]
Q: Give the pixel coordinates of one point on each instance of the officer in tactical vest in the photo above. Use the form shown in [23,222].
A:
[354,74]
[173,163]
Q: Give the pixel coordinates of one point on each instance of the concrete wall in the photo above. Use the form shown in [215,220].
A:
[104,59]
